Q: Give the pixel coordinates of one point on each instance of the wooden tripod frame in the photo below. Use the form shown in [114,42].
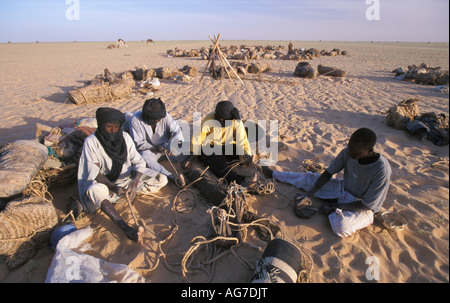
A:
[216,50]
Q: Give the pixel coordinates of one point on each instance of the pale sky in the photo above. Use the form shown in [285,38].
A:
[295,20]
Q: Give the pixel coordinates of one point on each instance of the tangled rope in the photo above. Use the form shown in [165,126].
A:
[313,165]
[236,204]
[266,188]
[175,211]
[232,207]
[227,233]
[222,234]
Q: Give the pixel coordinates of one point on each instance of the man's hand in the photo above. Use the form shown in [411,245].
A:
[120,191]
[132,188]
[163,150]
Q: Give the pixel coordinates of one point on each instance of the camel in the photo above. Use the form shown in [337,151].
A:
[150,41]
[121,43]
[111,46]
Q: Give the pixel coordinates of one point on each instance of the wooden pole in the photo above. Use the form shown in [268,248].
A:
[224,60]
[216,43]
[221,55]
[232,69]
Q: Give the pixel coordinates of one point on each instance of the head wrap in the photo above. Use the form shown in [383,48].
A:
[225,110]
[113,143]
[153,109]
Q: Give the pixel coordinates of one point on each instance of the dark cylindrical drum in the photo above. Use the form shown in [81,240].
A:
[280,263]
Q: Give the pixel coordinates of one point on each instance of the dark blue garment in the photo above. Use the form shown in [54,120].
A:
[417,128]
[429,127]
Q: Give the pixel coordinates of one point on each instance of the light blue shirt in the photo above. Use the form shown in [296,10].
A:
[167,129]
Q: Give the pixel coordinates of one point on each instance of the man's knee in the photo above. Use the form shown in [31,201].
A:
[97,193]
[149,156]
[346,223]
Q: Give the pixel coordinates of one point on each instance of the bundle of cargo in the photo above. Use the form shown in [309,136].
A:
[305,70]
[19,162]
[400,114]
[423,74]
[333,52]
[428,126]
[192,53]
[331,71]
[99,93]
[110,87]
[189,70]
[143,74]
[25,225]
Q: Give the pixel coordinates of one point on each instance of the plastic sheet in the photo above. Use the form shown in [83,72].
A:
[71,266]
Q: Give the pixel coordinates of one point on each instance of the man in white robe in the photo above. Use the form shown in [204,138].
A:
[110,167]
[153,131]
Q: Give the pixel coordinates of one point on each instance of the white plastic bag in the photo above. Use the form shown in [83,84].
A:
[69,266]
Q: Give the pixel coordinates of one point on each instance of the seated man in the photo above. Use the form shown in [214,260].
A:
[110,167]
[358,196]
[222,140]
[153,130]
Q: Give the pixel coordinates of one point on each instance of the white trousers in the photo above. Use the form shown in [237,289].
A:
[343,223]
[151,159]
[98,192]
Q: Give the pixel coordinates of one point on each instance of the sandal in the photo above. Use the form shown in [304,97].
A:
[304,210]
[76,207]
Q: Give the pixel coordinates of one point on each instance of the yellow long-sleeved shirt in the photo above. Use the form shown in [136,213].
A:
[213,134]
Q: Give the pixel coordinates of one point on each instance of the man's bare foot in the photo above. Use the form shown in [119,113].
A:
[135,234]
[180,181]
[140,234]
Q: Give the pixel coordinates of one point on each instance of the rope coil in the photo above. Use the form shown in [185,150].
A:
[228,232]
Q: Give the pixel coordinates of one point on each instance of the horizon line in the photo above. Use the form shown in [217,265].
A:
[199,40]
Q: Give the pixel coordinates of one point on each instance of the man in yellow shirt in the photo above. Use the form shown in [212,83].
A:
[221,140]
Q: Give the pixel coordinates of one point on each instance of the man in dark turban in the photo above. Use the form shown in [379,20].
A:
[223,139]
[225,110]
[154,131]
[109,122]
[110,167]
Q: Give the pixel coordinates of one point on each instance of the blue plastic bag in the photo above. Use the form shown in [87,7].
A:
[60,232]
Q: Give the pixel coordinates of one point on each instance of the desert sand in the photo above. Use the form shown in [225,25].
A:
[316,118]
